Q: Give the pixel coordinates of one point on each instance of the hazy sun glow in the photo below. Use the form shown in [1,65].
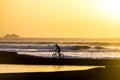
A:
[60,18]
[111,8]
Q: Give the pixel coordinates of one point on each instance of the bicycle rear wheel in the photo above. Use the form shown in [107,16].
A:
[54,55]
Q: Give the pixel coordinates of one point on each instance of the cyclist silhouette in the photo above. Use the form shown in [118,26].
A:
[58,50]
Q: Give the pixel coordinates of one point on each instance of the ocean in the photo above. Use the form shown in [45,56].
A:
[96,48]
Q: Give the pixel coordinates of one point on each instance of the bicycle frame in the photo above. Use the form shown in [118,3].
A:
[57,55]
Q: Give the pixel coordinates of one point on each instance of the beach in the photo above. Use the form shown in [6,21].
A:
[14,58]
[110,72]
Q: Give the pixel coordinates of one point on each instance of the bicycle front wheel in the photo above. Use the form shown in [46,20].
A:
[61,55]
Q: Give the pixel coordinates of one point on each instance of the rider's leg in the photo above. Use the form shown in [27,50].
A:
[59,54]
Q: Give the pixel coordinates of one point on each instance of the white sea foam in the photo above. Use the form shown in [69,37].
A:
[72,48]
[81,55]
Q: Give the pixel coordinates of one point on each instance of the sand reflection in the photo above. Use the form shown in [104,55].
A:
[5,68]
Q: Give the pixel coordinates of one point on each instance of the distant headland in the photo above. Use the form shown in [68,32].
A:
[11,36]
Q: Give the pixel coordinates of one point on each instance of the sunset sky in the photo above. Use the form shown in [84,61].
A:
[60,18]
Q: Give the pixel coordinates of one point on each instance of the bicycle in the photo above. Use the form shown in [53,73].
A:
[56,55]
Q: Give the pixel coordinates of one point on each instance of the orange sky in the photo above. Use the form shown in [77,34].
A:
[60,18]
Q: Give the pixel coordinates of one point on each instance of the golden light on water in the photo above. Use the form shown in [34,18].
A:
[5,68]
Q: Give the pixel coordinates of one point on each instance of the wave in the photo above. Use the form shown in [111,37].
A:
[51,48]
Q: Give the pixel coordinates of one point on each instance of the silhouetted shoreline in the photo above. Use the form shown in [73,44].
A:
[14,58]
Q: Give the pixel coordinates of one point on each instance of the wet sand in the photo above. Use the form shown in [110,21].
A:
[14,58]
[110,72]
[65,75]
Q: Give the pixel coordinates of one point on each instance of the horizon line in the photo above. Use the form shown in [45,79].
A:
[72,37]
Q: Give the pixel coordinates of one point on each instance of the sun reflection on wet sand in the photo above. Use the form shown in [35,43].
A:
[8,68]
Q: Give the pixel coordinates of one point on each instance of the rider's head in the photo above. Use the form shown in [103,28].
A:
[56,45]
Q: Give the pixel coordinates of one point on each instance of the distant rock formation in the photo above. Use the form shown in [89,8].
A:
[11,36]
